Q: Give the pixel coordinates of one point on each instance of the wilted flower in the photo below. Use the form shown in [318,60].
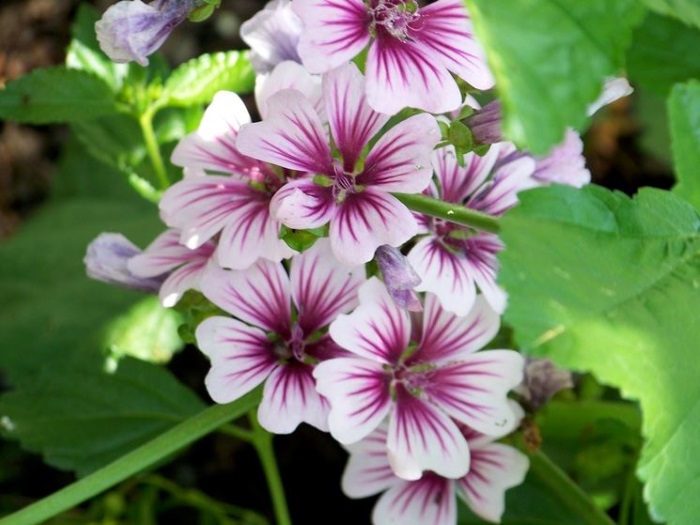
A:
[131,30]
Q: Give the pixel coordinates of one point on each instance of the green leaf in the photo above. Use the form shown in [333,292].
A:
[56,94]
[686,10]
[550,59]
[80,417]
[84,51]
[195,82]
[603,283]
[659,58]
[684,116]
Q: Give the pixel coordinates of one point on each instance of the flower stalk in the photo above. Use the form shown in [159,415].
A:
[450,212]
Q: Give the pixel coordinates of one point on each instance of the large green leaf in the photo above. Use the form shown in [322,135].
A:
[658,57]
[686,10]
[56,94]
[195,82]
[550,58]
[603,283]
[684,116]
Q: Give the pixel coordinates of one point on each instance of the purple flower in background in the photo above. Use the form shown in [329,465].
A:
[494,468]
[453,260]
[399,277]
[276,337]
[131,30]
[413,49]
[272,35]
[184,267]
[106,260]
[425,378]
[353,196]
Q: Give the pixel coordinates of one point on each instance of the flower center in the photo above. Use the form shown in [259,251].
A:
[396,17]
[414,378]
[343,183]
[293,347]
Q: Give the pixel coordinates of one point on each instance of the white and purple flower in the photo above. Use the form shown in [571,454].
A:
[453,260]
[412,49]
[276,335]
[426,377]
[349,192]
[494,468]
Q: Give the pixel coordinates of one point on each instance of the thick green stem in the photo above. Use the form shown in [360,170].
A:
[143,457]
[568,492]
[449,211]
[149,136]
[262,441]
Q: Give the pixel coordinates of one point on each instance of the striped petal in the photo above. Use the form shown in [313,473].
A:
[474,391]
[353,123]
[481,258]
[303,204]
[292,135]
[429,500]
[290,398]
[421,437]
[495,468]
[358,392]
[366,220]
[335,31]
[213,145]
[457,182]
[500,194]
[259,295]
[187,277]
[288,75]
[377,330]
[241,357]
[400,160]
[400,74]
[446,31]
[322,288]
[166,253]
[447,337]
[368,471]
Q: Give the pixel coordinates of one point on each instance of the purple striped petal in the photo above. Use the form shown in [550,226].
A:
[213,145]
[358,392]
[456,182]
[377,330]
[495,468]
[259,295]
[446,31]
[292,135]
[288,75]
[421,437]
[322,288]
[474,391]
[500,194]
[447,337]
[483,266]
[303,204]
[401,74]
[364,221]
[368,471]
[400,160]
[429,500]
[565,164]
[166,253]
[335,31]
[290,398]
[241,357]
[353,123]
[444,273]
[187,277]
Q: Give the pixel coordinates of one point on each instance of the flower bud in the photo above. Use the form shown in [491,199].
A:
[542,380]
[485,123]
[106,261]
[131,30]
[399,277]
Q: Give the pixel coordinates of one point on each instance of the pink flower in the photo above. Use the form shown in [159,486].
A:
[232,200]
[426,378]
[412,49]
[453,260]
[350,194]
[184,267]
[431,499]
[276,337]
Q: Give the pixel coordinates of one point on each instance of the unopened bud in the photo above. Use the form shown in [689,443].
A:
[399,277]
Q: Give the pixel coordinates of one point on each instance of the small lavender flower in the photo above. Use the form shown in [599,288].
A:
[106,260]
[399,277]
[131,30]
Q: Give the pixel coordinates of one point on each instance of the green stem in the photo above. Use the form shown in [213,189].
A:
[449,211]
[149,136]
[135,461]
[568,492]
[262,441]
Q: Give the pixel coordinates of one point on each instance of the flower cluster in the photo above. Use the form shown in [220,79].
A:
[392,367]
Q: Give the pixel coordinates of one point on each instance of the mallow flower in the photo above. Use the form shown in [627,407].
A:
[131,30]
